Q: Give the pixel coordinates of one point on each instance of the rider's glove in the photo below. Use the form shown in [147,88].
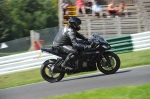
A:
[89,47]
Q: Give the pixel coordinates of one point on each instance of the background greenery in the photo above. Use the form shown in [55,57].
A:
[18,17]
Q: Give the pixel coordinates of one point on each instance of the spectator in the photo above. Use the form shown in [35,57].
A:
[123,9]
[64,6]
[96,9]
[88,5]
[112,10]
[80,6]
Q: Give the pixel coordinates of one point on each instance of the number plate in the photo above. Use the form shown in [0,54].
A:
[40,55]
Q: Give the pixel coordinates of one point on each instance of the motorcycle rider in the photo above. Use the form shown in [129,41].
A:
[66,40]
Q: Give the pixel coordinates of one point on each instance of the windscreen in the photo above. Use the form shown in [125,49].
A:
[99,38]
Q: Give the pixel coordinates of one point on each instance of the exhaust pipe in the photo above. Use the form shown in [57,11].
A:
[57,70]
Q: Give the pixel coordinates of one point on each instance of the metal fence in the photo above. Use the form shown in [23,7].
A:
[144,12]
[103,2]
[112,27]
[17,45]
[48,35]
[23,44]
[138,21]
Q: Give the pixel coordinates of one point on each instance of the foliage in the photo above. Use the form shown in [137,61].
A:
[18,17]
[4,21]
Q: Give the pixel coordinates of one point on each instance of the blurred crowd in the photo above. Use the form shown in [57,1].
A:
[92,7]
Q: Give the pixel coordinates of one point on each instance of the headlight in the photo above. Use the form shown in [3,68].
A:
[106,46]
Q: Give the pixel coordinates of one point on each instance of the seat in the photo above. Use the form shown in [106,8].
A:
[54,50]
[49,50]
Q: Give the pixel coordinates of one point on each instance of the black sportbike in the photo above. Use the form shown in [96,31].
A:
[99,57]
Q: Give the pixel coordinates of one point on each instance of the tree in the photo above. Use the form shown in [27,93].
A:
[26,15]
[4,21]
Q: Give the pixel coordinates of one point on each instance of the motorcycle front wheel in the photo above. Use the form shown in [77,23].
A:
[109,63]
[47,74]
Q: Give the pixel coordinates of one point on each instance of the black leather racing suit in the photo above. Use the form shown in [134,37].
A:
[67,39]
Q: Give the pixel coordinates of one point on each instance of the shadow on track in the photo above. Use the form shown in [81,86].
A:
[95,75]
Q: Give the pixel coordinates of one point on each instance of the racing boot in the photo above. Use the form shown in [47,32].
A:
[65,63]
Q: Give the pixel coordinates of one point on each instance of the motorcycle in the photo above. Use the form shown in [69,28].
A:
[98,58]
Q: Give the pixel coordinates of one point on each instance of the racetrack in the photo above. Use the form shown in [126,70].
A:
[129,76]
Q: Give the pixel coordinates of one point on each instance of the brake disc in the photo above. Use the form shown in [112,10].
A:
[51,68]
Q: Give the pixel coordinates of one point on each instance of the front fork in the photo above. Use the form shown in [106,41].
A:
[104,59]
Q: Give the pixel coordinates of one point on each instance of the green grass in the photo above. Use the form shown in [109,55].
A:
[32,76]
[135,58]
[125,92]
[20,78]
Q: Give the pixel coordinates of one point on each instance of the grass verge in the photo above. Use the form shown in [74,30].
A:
[125,92]
[32,76]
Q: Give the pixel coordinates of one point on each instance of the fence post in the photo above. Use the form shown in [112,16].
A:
[143,15]
[139,15]
[89,27]
[118,26]
[104,28]
[139,23]
[60,14]
[146,23]
[84,28]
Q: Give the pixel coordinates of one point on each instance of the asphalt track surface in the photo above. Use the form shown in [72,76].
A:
[128,76]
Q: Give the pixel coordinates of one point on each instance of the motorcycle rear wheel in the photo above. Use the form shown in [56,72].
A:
[112,65]
[47,74]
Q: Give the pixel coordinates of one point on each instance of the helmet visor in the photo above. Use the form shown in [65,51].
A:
[77,26]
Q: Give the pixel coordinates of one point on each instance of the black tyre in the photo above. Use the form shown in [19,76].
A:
[112,64]
[47,74]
